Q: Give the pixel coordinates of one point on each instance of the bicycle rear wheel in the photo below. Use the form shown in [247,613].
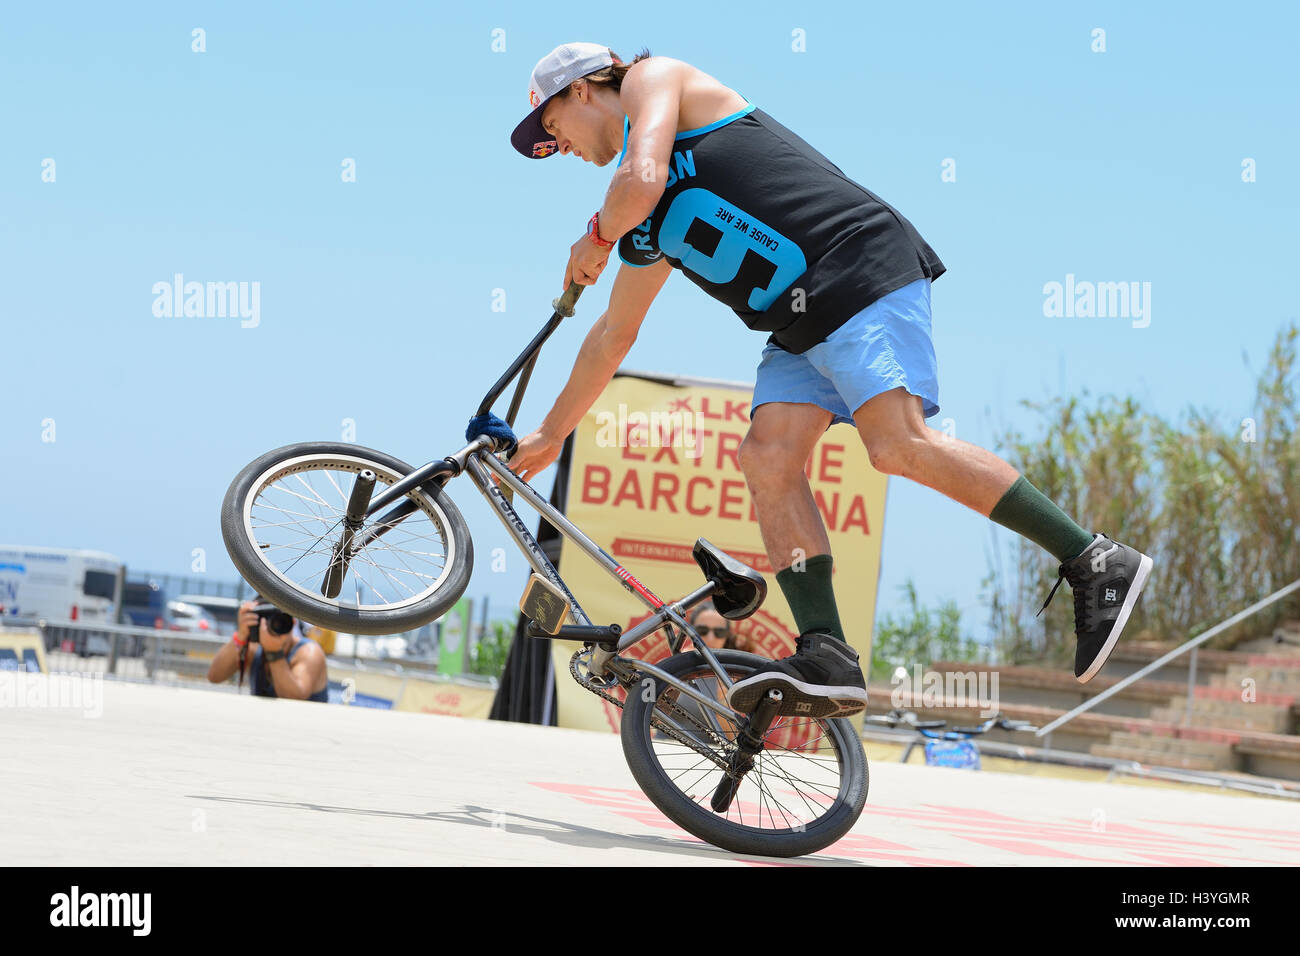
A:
[283,514]
[806,789]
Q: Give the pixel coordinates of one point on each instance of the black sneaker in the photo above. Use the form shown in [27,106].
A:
[1106,580]
[821,679]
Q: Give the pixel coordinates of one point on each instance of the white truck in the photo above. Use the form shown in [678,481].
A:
[59,584]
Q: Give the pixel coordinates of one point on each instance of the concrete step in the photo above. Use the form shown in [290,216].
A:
[1262,721]
[1229,708]
[1175,745]
[1283,681]
[1158,758]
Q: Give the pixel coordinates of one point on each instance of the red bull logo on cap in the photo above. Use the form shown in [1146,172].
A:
[542,150]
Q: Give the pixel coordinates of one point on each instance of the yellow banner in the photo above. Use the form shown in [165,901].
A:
[654,466]
[420,695]
[456,700]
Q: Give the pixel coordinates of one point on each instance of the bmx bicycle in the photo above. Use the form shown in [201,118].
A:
[947,748]
[358,541]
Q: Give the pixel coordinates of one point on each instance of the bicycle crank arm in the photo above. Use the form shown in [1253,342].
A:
[353,518]
[749,744]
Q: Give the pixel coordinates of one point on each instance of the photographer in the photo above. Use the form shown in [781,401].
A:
[282,663]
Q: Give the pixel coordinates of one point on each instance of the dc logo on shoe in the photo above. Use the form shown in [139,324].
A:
[1111,594]
[803,707]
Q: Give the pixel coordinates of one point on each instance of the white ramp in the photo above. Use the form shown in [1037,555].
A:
[183,776]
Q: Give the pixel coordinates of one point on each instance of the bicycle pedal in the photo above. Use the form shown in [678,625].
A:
[544,603]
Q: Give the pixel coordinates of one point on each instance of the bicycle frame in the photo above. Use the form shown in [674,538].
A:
[698,717]
[478,458]
[479,462]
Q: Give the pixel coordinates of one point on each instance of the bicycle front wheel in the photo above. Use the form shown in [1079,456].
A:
[284,513]
[807,786]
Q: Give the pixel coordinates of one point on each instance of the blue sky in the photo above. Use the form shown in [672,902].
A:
[376,295]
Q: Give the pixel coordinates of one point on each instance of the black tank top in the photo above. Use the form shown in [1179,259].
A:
[770,227]
[260,683]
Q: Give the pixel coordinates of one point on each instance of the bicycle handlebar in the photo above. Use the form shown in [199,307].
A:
[563,309]
[896,717]
[565,303]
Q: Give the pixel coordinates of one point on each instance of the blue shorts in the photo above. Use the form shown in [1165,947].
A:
[884,346]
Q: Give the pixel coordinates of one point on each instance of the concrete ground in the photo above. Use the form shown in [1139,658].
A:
[149,775]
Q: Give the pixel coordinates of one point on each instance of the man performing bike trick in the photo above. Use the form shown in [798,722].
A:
[707,183]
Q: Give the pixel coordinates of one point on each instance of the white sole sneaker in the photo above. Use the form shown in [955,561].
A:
[798,699]
[1130,600]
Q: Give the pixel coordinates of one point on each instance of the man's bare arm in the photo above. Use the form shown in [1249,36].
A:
[295,681]
[651,95]
[226,661]
[609,340]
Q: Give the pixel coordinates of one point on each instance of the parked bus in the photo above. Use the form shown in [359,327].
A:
[60,584]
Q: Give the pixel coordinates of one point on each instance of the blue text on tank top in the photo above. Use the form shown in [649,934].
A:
[715,240]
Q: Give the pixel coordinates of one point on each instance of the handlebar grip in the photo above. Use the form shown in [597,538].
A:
[565,303]
[1017,725]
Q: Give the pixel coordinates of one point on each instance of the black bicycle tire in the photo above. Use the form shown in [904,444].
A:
[708,826]
[322,613]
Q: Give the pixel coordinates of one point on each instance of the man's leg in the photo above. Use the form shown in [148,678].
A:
[823,678]
[899,443]
[1108,575]
[781,437]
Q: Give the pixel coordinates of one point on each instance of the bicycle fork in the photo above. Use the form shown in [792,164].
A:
[358,502]
[749,743]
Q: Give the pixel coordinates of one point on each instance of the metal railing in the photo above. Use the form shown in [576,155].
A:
[1190,645]
[150,654]
[123,651]
[174,585]
[1204,778]
[1114,766]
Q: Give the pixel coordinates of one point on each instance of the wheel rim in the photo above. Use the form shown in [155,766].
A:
[796,780]
[293,516]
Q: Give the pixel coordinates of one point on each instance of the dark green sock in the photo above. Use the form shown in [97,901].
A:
[1027,511]
[810,596]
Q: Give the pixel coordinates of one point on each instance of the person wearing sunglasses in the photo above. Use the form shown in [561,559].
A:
[714,628]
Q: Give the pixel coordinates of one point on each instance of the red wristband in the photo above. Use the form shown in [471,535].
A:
[593,231]
[238,642]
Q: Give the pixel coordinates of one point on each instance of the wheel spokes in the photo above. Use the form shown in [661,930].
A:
[294,517]
[794,780]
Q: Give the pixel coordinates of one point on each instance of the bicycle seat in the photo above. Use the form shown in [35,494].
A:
[740,589]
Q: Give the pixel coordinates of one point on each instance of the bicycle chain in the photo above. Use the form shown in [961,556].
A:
[590,684]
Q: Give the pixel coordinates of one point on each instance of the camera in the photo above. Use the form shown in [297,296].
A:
[277,622]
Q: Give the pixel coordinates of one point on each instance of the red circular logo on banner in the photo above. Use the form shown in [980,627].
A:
[760,634]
